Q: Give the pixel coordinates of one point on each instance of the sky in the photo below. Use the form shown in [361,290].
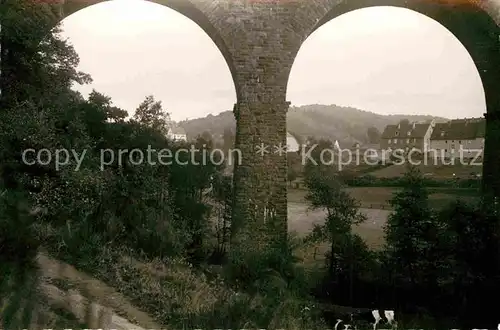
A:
[382,59]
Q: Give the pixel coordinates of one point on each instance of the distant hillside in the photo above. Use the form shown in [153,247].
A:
[345,124]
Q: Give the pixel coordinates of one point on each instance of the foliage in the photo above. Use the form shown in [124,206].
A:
[291,174]
[112,113]
[151,114]
[37,71]
[373,135]
[267,269]
[107,199]
[320,155]
[471,245]
[411,231]
[356,180]
[222,192]
[326,192]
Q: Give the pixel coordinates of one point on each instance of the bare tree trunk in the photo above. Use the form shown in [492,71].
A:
[330,269]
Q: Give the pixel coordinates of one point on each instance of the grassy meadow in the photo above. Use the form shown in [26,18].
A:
[374,202]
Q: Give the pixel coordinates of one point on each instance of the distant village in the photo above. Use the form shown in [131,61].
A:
[445,138]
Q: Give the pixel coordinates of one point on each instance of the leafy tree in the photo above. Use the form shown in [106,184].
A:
[113,114]
[36,63]
[291,174]
[228,137]
[326,192]
[320,155]
[124,201]
[222,194]
[373,135]
[189,178]
[151,114]
[206,137]
[471,245]
[405,122]
[413,235]
[294,164]
[38,69]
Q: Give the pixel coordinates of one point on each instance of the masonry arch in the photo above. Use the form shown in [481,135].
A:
[476,25]
[354,28]
[183,7]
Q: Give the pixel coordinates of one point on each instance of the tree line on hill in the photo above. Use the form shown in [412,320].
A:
[332,122]
[434,263]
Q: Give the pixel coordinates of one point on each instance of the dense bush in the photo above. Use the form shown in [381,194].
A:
[435,266]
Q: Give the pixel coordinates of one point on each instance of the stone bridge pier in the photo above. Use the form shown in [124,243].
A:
[260,39]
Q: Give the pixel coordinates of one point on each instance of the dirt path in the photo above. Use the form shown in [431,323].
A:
[95,290]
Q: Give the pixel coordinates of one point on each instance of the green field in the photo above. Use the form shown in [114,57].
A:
[378,197]
[438,171]
[375,205]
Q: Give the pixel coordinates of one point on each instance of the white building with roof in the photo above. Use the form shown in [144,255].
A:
[292,145]
[177,133]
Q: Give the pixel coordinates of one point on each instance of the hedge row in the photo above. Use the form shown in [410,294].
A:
[371,181]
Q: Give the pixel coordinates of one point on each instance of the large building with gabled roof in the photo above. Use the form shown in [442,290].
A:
[407,136]
[461,134]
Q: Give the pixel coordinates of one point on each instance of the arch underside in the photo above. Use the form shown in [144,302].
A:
[183,7]
[436,9]
[475,23]
[471,24]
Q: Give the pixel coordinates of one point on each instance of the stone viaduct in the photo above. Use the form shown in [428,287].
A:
[260,39]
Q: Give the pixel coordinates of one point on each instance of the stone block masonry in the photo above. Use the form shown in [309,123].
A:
[260,39]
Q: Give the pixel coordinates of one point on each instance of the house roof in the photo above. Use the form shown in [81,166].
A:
[373,146]
[294,136]
[177,130]
[462,129]
[392,131]
[366,146]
